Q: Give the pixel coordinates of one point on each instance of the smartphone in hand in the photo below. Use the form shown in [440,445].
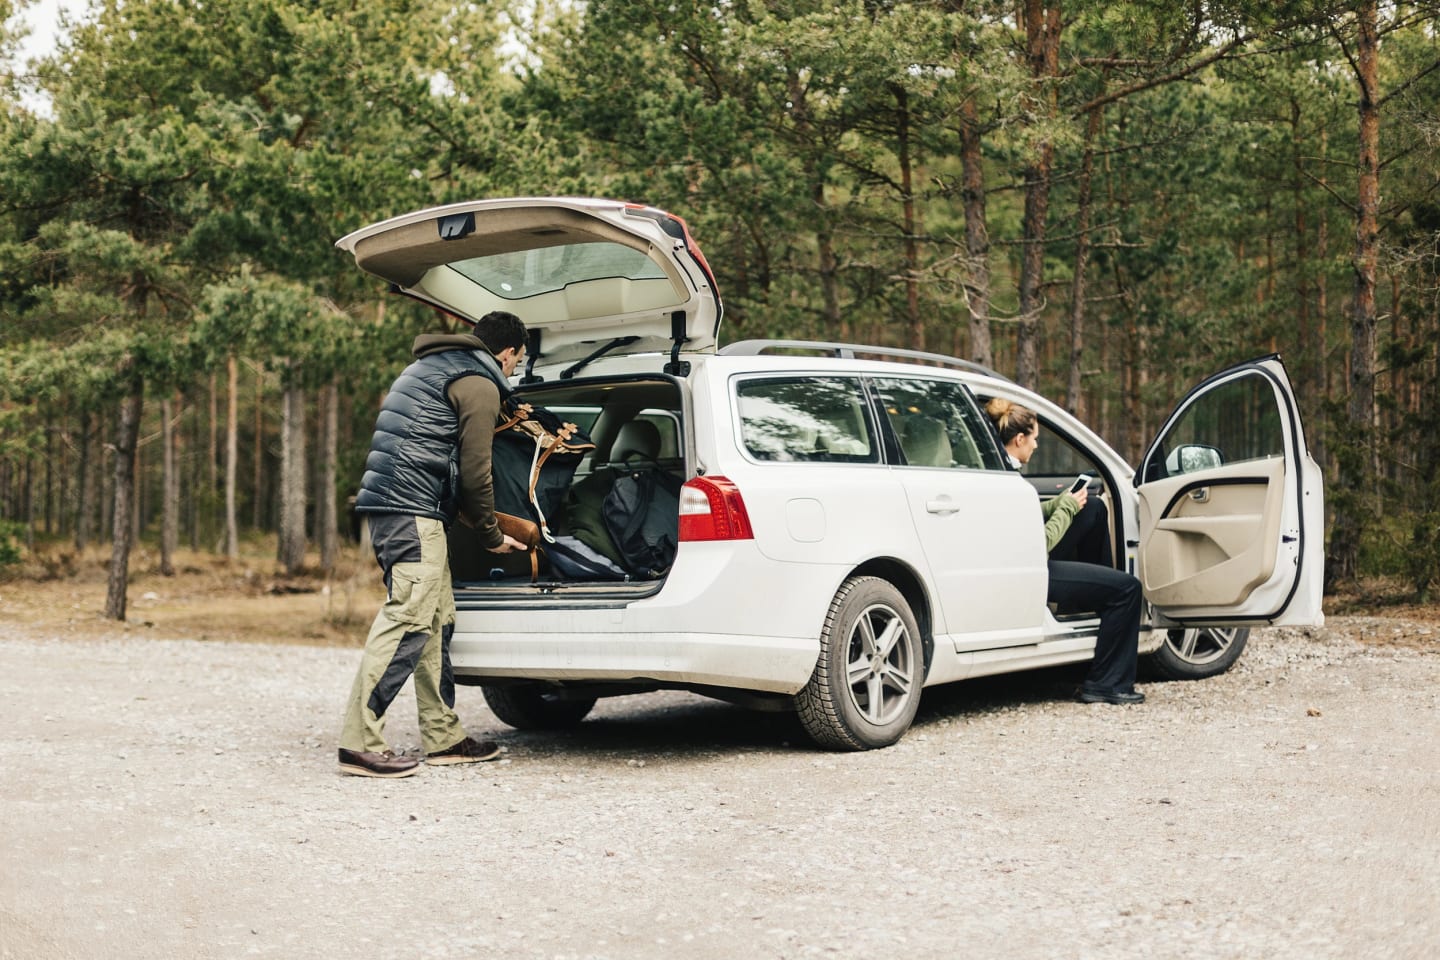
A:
[1081,482]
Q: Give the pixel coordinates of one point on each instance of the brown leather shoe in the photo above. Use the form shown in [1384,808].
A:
[468,750]
[385,764]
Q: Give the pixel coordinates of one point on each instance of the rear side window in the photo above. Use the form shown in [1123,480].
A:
[938,425]
[820,419]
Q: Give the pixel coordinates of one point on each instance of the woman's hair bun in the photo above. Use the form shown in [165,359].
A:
[1010,418]
[998,407]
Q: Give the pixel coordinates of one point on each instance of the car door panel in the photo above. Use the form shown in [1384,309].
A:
[1230,506]
[978,523]
[984,542]
[1211,539]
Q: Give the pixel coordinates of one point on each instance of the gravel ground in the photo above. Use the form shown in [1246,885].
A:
[179,799]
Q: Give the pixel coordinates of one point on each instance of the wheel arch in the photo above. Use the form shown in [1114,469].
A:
[904,578]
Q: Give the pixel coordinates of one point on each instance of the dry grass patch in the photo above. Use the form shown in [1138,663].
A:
[1381,597]
[208,597]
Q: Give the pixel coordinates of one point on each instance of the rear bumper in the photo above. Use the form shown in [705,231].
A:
[726,616]
[772,664]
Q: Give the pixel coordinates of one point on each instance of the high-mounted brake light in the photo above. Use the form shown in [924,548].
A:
[711,508]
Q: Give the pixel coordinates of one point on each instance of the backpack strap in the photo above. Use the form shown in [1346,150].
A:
[518,412]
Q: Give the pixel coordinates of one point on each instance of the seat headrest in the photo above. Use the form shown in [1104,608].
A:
[638,439]
[925,442]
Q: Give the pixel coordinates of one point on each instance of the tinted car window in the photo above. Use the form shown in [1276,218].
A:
[806,418]
[938,425]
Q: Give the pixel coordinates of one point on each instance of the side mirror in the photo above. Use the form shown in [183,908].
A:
[1192,457]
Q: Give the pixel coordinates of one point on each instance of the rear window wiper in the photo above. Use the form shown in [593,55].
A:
[578,365]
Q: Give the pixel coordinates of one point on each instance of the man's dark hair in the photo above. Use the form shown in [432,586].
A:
[499,330]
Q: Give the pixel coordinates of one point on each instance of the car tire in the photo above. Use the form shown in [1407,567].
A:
[532,707]
[1194,653]
[865,688]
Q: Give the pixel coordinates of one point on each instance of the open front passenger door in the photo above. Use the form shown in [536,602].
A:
[1231,507]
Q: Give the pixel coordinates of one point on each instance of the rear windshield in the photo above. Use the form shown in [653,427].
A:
[527,273]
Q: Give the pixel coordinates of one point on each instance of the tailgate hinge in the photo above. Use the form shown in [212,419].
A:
[677,367]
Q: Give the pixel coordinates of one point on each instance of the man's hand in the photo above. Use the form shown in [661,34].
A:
[511,545]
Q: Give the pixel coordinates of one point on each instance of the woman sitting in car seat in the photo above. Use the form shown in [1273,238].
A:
[1086,586]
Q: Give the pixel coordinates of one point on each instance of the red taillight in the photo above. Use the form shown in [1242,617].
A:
[711,509]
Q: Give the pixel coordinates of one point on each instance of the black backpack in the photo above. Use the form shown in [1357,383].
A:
[642,516]
[533,459]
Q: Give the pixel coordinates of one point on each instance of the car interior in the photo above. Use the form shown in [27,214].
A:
[925,442]
[635,426]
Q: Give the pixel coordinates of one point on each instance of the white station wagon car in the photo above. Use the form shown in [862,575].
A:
[848,530]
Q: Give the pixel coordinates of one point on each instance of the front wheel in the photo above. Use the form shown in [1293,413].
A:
[865,688]
[1193,653]
[533,707]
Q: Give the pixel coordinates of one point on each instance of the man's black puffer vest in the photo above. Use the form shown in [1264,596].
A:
[412,466]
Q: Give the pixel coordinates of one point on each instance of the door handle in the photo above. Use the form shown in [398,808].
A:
[1200,496]
[942,506]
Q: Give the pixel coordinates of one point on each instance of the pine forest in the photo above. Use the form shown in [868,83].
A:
[1106,201]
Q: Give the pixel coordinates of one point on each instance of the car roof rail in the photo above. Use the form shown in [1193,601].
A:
[851,351]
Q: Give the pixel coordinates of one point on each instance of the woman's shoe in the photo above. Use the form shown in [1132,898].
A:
[1119,697]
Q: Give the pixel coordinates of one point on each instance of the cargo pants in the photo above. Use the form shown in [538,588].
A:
[410,637]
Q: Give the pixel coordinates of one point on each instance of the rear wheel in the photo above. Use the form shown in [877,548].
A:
[865,687]
[1193,653]
[534,707]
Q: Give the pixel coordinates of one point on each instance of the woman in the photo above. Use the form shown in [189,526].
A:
[1084,586]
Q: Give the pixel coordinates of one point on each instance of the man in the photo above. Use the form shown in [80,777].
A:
[429,461]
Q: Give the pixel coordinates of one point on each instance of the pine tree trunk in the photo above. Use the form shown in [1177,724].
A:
[212,455]
[107,484]
[256,499]
[232,453]
[195,490]
[63,494]
[127,434]
[1356,473]
[1042,36]
[914,322]
[83,495]
[977,236]
[30,501]
[138,500]
[292,481]
[49,478]
[326,515]
[834,322]
[1310,378]
[1320,372]
[1073,401]
[170,490]
[834,325]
